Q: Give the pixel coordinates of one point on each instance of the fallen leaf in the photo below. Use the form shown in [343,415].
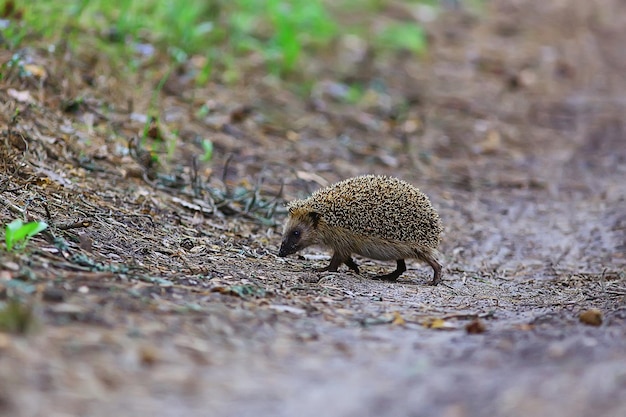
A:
[154,130]
[592,317]
[36,71]
[476,326]
[397,319]
[240,114]
[148,355]
[439,324]
[491,144]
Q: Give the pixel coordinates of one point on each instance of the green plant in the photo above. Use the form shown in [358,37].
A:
[278,30]
[17,232]
[354,93]
[207,146]
[220,37]
[154,108]
[204,75]
[409,36]
[296,23]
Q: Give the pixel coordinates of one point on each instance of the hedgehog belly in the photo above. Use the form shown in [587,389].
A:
[384,250]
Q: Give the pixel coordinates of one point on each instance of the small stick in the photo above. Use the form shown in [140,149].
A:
[75,225]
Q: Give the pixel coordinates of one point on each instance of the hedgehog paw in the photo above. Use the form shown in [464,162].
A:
[392,277]
[325,269]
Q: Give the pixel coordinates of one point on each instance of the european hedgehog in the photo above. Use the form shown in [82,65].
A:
[377,217]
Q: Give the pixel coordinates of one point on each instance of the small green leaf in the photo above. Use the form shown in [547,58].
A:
[203,111]
[207,145]
[17,231]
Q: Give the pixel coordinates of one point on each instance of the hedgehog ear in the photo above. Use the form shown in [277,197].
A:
[315,218]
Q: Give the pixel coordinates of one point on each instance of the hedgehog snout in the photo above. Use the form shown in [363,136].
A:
[287,248]
[292,241]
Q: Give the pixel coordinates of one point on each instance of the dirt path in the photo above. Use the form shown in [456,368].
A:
[168,305]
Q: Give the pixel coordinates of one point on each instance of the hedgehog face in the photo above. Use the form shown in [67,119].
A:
[291,242]
[300,232]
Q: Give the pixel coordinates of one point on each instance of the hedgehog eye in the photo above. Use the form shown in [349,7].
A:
[295,233]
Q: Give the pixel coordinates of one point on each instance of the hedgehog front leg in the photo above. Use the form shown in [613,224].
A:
[392,276]
[351,264]
[336,261]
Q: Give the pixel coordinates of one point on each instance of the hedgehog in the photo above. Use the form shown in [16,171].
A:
[377,217]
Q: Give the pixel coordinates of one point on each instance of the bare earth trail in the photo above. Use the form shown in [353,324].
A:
[166,306]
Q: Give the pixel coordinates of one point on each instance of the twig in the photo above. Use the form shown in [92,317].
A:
[469,316]
[75,225]
[226,163]
[15,209]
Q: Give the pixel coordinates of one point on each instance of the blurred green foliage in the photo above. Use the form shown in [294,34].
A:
[279,33]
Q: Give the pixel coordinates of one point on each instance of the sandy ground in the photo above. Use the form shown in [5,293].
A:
[171,301]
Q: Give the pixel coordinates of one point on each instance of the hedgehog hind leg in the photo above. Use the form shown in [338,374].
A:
[436,271]
[393,276]
[336,261]
[430,260]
